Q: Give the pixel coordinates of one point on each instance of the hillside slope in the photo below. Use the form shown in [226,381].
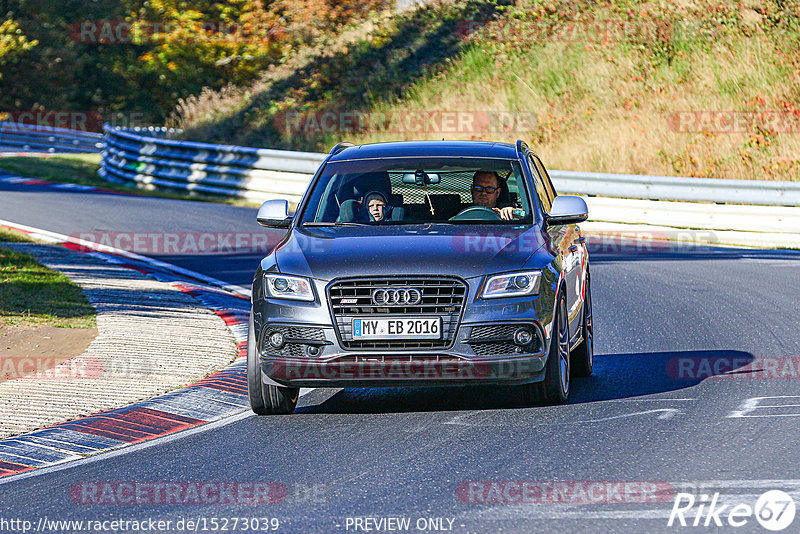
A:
[694,88]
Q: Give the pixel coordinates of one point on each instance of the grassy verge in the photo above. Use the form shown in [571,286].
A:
[709,88]
[32,294]
[82,169]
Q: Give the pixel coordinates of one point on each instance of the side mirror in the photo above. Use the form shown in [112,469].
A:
[567,209]
[274,214]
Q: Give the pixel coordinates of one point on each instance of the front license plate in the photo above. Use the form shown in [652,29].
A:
[398,328]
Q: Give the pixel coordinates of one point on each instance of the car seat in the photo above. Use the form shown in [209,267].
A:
[356,187]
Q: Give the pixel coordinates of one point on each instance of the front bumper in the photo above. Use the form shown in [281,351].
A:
[377,371]
[315,357]
[467,362]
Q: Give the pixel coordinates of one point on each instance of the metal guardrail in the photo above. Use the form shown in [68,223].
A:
[234,171]
[262,174]
[758,192]
[36,138]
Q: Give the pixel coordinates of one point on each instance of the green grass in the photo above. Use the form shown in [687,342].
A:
[82,169]
[72,168]
[32,294]
[13,236]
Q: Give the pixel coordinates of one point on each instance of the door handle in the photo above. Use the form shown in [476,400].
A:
[580,240]
[573,248]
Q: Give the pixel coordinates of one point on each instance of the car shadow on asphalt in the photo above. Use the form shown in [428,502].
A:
[616,376]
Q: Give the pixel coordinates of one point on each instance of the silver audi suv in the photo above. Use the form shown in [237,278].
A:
[423,263]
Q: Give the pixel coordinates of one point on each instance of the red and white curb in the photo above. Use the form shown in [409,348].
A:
[219,396]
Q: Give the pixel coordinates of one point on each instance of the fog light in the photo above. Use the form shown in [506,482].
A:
[312,350]
[276,340]
[523,337]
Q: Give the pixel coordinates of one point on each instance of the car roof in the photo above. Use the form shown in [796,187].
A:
[412,149]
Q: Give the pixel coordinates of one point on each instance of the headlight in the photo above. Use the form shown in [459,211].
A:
[512,285]
[281,286]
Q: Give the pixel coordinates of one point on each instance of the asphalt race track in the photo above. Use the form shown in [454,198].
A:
[696,389]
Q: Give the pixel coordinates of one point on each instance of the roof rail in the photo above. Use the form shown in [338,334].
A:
[341,146]
[522,146]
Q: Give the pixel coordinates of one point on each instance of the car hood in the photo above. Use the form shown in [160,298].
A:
[463,250]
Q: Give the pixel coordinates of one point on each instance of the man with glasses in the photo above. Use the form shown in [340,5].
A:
[486,191]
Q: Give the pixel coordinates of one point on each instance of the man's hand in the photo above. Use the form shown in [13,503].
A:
[506,214]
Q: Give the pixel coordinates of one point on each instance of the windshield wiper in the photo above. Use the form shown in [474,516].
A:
[479,222]
[334,224]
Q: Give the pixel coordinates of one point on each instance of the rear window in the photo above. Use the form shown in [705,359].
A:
[420,190]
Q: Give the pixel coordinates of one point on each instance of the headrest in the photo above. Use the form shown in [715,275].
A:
[355,187]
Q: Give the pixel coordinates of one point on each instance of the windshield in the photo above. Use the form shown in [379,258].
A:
[419,190]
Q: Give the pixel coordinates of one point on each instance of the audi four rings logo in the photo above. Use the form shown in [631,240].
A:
[407,296]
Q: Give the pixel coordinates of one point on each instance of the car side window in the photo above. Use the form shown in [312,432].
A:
[544,199]
[548,184]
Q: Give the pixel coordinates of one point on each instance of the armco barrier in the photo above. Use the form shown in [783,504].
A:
[263,174]
[36,138]
[760,192]
[235,171]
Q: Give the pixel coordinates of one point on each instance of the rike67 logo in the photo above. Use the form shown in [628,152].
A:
[774,510]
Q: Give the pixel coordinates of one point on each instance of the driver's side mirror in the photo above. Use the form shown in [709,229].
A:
[567,209]
[274,214]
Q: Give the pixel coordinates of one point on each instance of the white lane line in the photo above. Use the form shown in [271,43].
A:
[54,237]
[647,400]
[664,413]
[752,404]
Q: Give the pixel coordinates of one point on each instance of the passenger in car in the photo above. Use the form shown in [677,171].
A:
[373,208]
[486,188]
[376,206]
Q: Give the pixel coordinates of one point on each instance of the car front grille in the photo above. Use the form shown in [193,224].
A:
[441,297]
[495,349]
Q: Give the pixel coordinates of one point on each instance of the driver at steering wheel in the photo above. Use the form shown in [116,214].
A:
[485,192]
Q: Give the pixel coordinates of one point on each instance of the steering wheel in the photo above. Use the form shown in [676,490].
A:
[476,213]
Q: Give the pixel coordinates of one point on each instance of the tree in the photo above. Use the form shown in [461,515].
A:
[12,42]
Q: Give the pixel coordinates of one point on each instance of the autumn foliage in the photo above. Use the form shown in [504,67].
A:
[143,55]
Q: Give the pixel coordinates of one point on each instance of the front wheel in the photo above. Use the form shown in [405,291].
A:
[265,399]
[583,355]
[554,389]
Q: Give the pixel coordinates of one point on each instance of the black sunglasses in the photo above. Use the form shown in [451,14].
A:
[488,189]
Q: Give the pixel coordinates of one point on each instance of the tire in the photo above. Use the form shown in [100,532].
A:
[265,399]
[554,389]
[583,355]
